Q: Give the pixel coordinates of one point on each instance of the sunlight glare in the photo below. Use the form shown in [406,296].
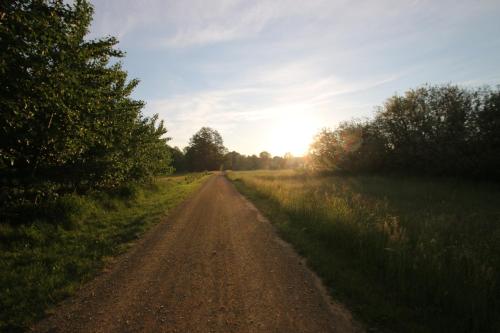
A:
[293,134]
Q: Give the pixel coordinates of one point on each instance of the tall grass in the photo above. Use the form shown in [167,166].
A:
[408,254]
[46,259]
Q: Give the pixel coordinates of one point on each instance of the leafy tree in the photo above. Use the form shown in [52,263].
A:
[325,151]
[253,162]
[234,161]
[205,150]
[435,130]
[178,159]
[278,162]
[486,133]
[67,120]
[264,160]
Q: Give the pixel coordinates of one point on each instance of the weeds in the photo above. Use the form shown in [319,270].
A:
[408,254]
[46,259]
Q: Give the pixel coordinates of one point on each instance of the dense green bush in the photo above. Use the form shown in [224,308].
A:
[435,130]
[67,121]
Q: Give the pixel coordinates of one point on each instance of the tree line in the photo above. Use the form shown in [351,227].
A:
[206,151]
[432,130]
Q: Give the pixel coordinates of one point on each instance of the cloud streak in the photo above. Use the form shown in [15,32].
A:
[242,66]
[269,99]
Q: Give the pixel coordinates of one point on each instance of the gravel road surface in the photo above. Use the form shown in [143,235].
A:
[214,265]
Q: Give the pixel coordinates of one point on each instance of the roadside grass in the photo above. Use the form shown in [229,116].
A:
[45,260]
[405,254]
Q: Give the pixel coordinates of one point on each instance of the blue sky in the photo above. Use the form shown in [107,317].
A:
[269,74]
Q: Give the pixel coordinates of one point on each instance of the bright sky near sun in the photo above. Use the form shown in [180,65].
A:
[269,74]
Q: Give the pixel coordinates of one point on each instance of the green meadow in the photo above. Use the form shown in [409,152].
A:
[405,254]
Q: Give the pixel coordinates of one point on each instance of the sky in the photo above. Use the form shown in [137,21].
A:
[268,75]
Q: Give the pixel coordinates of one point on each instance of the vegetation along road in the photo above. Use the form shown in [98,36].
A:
[215,265]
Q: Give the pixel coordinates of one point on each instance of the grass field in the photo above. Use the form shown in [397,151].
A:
[43,261]
[405,254]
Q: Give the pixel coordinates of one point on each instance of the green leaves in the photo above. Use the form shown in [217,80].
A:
[435,130]
[66,113]
[205,150]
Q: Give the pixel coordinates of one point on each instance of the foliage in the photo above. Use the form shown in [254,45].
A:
[408,254]
[43,262]
[178,159]
[443,130]
[67,120]
[236,161]
[205,150]
[264,160]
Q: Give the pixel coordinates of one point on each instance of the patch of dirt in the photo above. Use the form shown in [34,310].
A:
[214,265]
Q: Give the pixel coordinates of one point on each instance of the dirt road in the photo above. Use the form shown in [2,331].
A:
[215,265]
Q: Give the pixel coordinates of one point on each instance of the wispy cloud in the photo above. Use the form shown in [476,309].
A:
[199,22]
[240,65]
[265,98]
[230,22]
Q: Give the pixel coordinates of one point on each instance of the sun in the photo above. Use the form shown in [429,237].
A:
[293,134]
